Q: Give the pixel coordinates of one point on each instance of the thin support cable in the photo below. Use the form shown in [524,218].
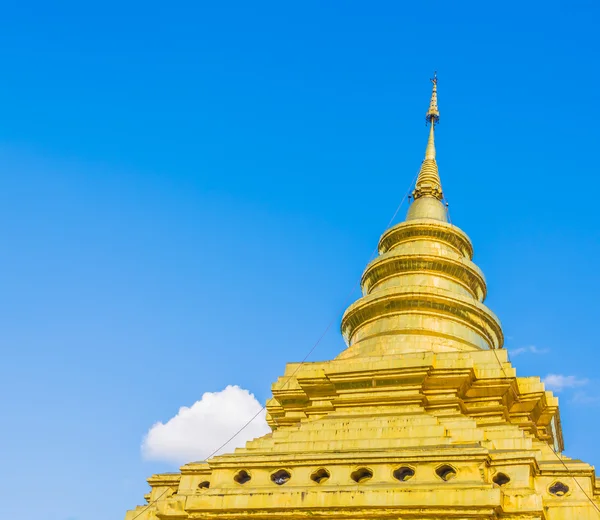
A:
[329,325]
[150,504]
[552,448]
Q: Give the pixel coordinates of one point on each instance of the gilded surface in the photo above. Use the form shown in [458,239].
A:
[422,417]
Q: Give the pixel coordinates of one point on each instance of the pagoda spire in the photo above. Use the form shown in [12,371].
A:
[432,118]
[433,114]
[422,293]
[429,185]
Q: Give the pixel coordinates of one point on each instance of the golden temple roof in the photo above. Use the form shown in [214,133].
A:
[423,292]
[421,417]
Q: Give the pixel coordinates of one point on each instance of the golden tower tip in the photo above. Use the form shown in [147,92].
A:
[428,188]
[433,114]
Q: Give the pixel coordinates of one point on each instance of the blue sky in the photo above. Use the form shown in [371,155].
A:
[188,192]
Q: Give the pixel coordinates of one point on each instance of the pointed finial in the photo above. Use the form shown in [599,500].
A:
[428,183]
[433,114]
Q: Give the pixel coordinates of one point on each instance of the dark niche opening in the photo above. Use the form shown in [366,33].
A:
[446,472]
[559,489]
[501,479]
[281,477]
[320,476]
[361,475]
[242,477]
[404,473]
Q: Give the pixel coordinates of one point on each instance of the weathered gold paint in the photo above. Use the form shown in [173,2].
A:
[424,384]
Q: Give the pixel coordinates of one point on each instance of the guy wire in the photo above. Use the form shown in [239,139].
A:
[320,338]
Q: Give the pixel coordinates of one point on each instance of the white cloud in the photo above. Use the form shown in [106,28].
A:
[531,349]
[195,432]
[559,382]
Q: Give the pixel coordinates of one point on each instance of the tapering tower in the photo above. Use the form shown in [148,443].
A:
[421,417]
[423,292]
[428,181]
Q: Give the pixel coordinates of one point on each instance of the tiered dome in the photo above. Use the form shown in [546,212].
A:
[422,292]
[418,419]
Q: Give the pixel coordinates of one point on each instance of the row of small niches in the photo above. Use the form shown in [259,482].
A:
[403,473]
[282,476]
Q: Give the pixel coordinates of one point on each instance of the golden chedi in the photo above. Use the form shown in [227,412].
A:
[421,418]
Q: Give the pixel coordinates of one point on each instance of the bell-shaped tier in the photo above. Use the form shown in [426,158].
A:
[422,293]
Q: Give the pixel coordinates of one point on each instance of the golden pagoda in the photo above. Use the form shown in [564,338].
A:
[422,417]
